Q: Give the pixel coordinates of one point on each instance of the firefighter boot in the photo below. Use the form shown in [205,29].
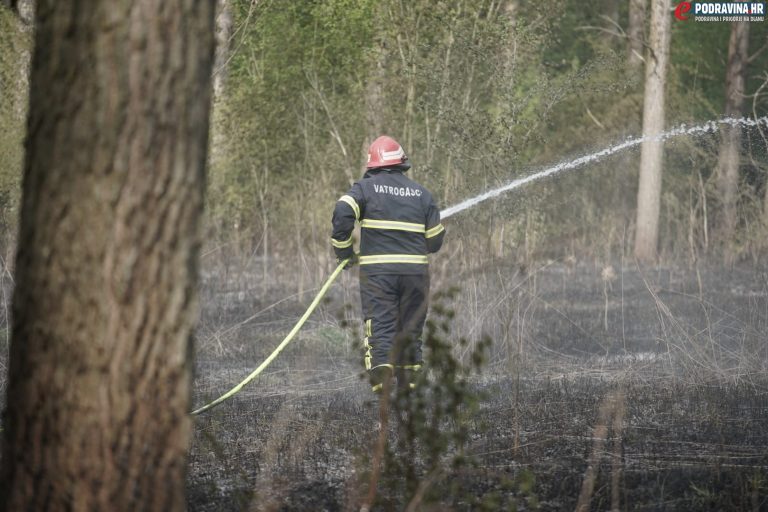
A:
[406,379]
[380,377]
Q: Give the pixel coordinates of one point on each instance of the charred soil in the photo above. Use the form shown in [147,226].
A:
[604,388]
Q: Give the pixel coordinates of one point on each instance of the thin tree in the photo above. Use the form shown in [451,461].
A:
[652,151]
[105,296]
[636,33]
[224,24]
[374,92]
[22,8]
[730,136]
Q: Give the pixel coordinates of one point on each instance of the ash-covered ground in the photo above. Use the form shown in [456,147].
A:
[610,386]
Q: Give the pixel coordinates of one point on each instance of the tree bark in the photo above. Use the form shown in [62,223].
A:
[511,8]
[730,142]
[374,87]
[374,93]
[223,35]
[652,151]
[24,9]
[105,297]
[636,33]
[765,205]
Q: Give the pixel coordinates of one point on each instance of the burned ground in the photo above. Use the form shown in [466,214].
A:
[649,385]
[679,356]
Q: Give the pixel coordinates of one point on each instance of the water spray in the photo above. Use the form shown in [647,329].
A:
[708,127]
[683,129]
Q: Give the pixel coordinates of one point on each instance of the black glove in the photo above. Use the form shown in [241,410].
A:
[350,263]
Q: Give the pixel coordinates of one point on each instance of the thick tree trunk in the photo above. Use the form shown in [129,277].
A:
[730,144]
[652,151]
[105,296]
[636,33]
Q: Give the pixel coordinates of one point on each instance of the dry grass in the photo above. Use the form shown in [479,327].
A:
[603,387]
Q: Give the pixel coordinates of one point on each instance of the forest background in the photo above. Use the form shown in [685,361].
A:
[479,93]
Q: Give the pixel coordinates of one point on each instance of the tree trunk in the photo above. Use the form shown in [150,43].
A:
[24,9]
[652,151]
[105,297]
[636,33]
[223,35]
[765,205]
[374,93]
[730,143]
[511,8]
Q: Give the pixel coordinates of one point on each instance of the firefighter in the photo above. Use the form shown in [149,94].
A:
[400,225]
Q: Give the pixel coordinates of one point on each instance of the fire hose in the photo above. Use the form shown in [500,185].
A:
[255,373]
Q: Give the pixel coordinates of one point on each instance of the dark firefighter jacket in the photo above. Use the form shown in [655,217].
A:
[399,220]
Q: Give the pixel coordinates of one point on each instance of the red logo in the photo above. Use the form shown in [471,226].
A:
[681,10]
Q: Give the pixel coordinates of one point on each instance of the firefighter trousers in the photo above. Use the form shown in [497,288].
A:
[394,311]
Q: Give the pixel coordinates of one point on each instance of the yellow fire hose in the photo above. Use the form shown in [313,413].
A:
[280,347]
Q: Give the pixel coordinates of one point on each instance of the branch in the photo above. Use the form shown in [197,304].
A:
[613,22]
[602,29]
[591,115]
[616,31]
[334,131]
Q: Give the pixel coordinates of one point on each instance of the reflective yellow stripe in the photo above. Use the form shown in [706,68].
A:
[394,258]
[352,203]
[342,245]
[368,333]
[367,357]
[379,386]
[435,231]
[393,224]
[414,367]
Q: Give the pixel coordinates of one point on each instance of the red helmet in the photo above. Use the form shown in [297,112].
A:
[385,152]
